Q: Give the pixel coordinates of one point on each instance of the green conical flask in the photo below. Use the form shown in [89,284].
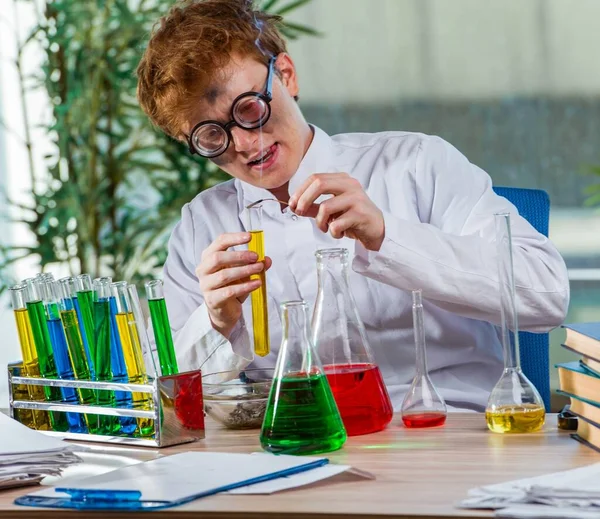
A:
[302,416]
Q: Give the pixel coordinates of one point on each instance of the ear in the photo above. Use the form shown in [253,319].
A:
[287,73]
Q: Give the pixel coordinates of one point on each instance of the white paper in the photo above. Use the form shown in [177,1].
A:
[298,480]
[27,456]
[17,439]
[176,477]
[576,492]
[545,512]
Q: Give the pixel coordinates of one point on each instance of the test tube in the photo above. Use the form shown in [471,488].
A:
[147,353]
[85,301]
[162,327]
[260,316]
[60,348]
[43,347]
[39,419]
[119,369]
[68,292]
[102,358]
[132,352]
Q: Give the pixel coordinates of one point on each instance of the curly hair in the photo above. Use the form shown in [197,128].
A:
[190,45]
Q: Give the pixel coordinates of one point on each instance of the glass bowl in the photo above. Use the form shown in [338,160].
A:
[238,400]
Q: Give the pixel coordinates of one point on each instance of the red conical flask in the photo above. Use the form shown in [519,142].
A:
[341,343]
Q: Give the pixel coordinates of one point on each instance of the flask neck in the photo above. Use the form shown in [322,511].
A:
[295,322]
[296,354]
[419,333]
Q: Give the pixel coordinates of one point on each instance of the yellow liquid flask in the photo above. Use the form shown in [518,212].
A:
[514,405]
[260,316]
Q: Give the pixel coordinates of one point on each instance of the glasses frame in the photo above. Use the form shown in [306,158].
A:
[266,96]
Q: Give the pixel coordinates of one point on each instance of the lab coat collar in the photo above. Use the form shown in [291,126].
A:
[317,159]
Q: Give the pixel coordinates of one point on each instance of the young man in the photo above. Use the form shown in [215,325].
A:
[410,208]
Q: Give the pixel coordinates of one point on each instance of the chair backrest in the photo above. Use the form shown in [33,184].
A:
[534,206]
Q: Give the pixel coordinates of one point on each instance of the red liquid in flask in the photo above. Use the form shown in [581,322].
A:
[361,397]
[424,419]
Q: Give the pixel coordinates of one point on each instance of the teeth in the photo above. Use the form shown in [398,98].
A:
[262,159]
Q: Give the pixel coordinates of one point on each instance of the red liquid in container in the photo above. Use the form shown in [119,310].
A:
[424,419]
[361,397]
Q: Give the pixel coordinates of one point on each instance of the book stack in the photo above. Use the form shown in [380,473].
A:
[580,380]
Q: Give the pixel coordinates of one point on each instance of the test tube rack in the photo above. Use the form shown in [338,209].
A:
[177,406]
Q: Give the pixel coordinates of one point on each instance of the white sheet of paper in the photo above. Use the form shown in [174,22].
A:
[18,439]
[544,512]
[298,480]
[176,477]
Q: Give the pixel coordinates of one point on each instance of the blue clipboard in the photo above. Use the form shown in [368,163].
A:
[132,500]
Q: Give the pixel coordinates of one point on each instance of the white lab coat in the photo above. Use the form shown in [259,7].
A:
[439,236]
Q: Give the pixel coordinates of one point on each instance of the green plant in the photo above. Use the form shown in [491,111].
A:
[114,185]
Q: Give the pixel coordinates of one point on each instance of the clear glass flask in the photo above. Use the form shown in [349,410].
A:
[422,406]
[514,405]
[302,416]
[258,298]
[341,342]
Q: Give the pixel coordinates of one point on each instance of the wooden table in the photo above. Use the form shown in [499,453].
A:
[420,473]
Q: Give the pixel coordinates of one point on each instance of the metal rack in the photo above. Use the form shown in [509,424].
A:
[177,406]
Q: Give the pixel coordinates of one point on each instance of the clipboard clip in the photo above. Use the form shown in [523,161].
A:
[92,494]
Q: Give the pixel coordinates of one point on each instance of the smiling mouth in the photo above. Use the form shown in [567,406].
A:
[268,154]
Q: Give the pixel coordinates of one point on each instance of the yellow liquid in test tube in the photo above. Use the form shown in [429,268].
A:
[136,371]
[260,316]
[522,418]
[40,419]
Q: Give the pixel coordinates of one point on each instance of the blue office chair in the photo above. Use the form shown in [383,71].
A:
[534,206]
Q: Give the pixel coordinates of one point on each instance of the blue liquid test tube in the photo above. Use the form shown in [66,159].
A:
[61,351]
[119,368]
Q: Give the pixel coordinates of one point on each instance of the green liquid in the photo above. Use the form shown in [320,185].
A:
[43,346]
[85,300]
[163,337]
[302,417]
[79,362]
[106,424]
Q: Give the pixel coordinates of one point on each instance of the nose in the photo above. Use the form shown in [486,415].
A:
[243,140]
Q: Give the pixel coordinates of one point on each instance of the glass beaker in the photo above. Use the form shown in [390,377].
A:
[301,416]
[258,297]
[514,405]
[422,406]
[341,342]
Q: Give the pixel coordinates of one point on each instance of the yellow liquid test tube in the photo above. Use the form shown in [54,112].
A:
[39,419]
[260,316]
[132,353]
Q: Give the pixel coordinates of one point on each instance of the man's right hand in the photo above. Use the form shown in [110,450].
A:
[224,278]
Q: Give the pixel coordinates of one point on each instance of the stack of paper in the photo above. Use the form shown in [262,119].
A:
[572,493]
[27,456]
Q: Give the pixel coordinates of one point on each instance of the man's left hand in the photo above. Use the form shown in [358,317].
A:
[349,212]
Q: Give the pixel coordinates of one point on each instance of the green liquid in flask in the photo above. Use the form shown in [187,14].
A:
[302,416]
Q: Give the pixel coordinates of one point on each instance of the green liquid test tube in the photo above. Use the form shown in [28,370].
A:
[39,419]
[85,299]
[161,327]
[107,425]
[132,352]
[43,346]
[81,370]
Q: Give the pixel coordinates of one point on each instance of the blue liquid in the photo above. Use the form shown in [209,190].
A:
[74,303]
[119,371]
[65,371]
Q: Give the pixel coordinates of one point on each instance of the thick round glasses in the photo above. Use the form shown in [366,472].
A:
[249,111]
